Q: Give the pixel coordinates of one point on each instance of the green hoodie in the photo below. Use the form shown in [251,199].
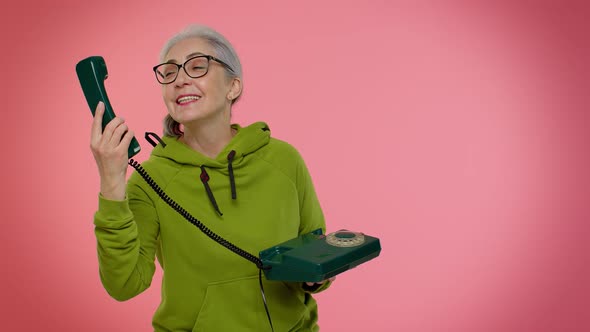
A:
[206,287]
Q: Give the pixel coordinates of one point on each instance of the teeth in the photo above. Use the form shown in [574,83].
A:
[187,99]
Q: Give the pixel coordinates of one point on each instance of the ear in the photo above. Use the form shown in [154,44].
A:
[235,90]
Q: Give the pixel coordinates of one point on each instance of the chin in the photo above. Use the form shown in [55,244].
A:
[188,117]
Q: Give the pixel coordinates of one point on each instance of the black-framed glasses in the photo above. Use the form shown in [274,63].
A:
[194,67]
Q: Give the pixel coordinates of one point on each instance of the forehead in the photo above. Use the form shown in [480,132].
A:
[186,47]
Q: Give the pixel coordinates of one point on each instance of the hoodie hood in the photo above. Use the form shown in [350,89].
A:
[246,140]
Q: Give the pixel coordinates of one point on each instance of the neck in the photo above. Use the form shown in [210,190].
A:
[208,139]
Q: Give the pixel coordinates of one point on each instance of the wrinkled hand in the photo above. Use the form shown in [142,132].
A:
[109,148]
[319,282]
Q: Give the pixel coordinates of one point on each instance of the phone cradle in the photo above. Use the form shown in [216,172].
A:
[315,257]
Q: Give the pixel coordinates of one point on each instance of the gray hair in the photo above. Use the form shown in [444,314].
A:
[223,50]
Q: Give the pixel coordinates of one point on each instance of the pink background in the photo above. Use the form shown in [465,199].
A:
[456,133]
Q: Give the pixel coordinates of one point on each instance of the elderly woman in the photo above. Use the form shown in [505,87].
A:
[251,189]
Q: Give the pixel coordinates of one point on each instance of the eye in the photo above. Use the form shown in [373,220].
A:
[169,74]
[167,71]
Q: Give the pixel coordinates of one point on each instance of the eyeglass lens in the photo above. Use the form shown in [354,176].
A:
[195,67]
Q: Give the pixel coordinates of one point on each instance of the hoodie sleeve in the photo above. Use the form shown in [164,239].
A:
[127,238]
[311,213]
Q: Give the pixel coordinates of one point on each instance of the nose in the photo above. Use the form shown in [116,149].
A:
[182,78]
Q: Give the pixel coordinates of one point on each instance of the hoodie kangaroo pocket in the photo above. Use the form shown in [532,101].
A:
[237,305]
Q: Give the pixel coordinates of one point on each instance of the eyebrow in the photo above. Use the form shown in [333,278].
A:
[187,57]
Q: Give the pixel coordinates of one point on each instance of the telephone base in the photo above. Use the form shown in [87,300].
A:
[314,257]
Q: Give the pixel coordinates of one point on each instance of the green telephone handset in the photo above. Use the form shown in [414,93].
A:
[92,72]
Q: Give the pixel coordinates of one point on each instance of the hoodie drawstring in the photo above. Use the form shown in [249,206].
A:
[230,169]
[205,179]
[148,137]
[232,182]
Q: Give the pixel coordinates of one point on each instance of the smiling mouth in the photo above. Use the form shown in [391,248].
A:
[187,99]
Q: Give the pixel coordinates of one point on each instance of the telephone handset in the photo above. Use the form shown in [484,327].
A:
[92,72]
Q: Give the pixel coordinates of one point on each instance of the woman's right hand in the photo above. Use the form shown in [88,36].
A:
[109,148]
